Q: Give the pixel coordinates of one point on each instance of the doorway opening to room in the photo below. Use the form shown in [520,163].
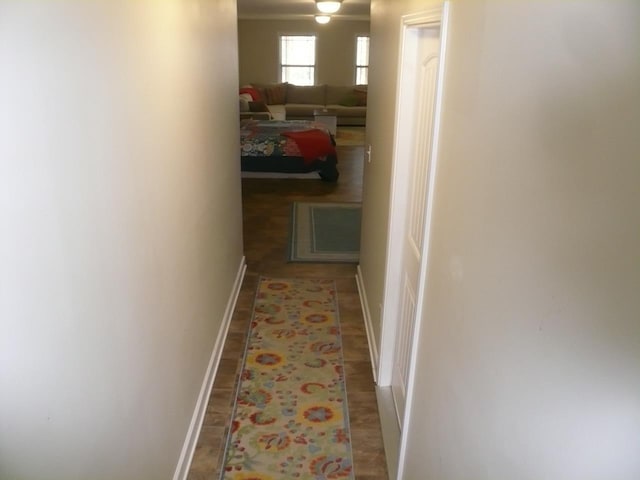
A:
[305,71]
[327,79]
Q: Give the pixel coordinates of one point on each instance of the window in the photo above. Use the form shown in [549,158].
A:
[362,60]
[298,59]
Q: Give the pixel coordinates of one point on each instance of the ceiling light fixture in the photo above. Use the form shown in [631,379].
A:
[323,19]
[328,7]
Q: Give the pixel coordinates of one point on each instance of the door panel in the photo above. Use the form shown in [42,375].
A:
[420,124]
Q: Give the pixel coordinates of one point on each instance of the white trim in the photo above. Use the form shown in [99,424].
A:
[432,16]
[390,429]
[302,16]
[186,455]
[443,22]
[371,339]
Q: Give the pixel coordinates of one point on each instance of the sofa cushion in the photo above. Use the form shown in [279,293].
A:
[342,111]
[313,94]
[350,100]
[337,94]
[302,109]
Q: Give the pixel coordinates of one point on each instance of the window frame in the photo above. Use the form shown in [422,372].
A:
[361,66]
[314,65]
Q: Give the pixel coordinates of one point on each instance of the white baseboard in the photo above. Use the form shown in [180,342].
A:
[184,463]
[373,346]
[390,429]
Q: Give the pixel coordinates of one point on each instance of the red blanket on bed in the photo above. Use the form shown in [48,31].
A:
[312,144]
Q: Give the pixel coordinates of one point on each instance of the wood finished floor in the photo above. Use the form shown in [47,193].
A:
[266,210]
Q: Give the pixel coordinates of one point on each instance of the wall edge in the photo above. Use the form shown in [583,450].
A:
[189,446]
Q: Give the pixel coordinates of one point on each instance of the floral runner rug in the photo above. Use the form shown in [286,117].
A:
[290,418]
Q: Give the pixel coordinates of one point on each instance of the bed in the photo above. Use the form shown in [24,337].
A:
[288,147]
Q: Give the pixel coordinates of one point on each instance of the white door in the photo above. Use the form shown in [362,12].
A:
[419,101]
[418,125]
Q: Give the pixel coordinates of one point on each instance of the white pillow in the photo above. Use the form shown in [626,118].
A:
[244,102]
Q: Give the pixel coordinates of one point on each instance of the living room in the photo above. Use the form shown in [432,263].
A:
[305,65]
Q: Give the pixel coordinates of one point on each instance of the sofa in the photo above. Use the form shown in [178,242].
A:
[296,102]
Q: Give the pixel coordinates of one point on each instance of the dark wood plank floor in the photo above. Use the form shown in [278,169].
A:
[266,210]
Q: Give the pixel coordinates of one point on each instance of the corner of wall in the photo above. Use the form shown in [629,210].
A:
[186,455]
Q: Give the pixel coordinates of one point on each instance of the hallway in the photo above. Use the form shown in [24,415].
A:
[266,210]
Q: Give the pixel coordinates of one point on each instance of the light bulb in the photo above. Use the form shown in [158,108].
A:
[328,7]
[323,19]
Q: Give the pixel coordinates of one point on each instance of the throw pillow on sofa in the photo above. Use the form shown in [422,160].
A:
[245,98]
[272,93]
[253,92]
[361,95]
[276,94]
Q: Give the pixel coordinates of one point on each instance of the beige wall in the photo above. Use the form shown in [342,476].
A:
[336,46]
[119,166]
[529,357]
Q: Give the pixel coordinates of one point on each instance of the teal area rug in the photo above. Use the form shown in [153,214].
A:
[325,232]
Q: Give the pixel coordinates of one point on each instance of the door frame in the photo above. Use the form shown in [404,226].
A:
[436,17]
